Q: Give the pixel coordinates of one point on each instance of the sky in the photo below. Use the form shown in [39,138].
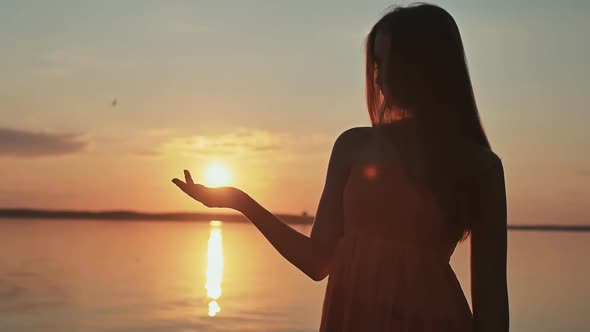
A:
[265,87]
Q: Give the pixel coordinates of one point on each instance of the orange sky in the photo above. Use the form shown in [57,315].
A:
[267,94]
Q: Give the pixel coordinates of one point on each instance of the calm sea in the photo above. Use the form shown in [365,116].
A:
[212,276]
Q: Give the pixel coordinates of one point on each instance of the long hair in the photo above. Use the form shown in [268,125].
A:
[425,78]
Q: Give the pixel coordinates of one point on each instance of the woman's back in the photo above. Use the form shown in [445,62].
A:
[381,198]
[390,270]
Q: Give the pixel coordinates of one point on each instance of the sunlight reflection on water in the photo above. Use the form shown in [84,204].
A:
[214,271]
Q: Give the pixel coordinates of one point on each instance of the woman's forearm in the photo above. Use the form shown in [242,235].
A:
[494,316]
[297,248]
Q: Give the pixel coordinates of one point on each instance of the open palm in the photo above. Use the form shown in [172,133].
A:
[221,197]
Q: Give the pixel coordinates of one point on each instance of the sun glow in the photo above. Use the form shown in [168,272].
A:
[217,175]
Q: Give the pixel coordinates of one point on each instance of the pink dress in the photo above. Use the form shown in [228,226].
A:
[391,271]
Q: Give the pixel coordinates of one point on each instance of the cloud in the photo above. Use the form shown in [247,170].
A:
[244,142]
[584,172]
[26,144]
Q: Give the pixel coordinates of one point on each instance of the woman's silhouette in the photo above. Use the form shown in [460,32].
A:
[400,195]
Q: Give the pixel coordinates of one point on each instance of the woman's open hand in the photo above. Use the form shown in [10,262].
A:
[221,197]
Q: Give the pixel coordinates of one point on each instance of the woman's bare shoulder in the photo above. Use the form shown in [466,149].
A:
[486,161]
[354,135]
[350,141]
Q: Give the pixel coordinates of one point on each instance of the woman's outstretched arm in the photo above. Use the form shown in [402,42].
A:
[311,254]
[488,253]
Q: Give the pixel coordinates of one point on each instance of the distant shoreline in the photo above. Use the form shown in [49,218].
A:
[129,215]
[550,228]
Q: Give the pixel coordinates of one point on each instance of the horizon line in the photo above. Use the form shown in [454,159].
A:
[135,215]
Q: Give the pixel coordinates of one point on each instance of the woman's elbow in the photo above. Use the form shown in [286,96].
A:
[318,276]
[319,263]
[320,272]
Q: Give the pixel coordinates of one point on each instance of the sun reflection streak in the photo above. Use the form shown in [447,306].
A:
[214,267]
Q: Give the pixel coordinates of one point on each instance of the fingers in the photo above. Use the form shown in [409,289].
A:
[178,182]
[187,188]
[196,191]
[188,178]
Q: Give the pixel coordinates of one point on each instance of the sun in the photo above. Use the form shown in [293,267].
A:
[217,175]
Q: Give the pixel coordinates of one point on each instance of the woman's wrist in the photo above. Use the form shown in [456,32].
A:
[243,202]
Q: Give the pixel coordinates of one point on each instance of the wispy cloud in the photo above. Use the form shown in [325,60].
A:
[26,144]
[584,172]
[243,142]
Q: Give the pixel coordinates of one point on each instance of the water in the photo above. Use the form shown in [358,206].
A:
[173,276]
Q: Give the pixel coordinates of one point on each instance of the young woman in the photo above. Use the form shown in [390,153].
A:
[401,194]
